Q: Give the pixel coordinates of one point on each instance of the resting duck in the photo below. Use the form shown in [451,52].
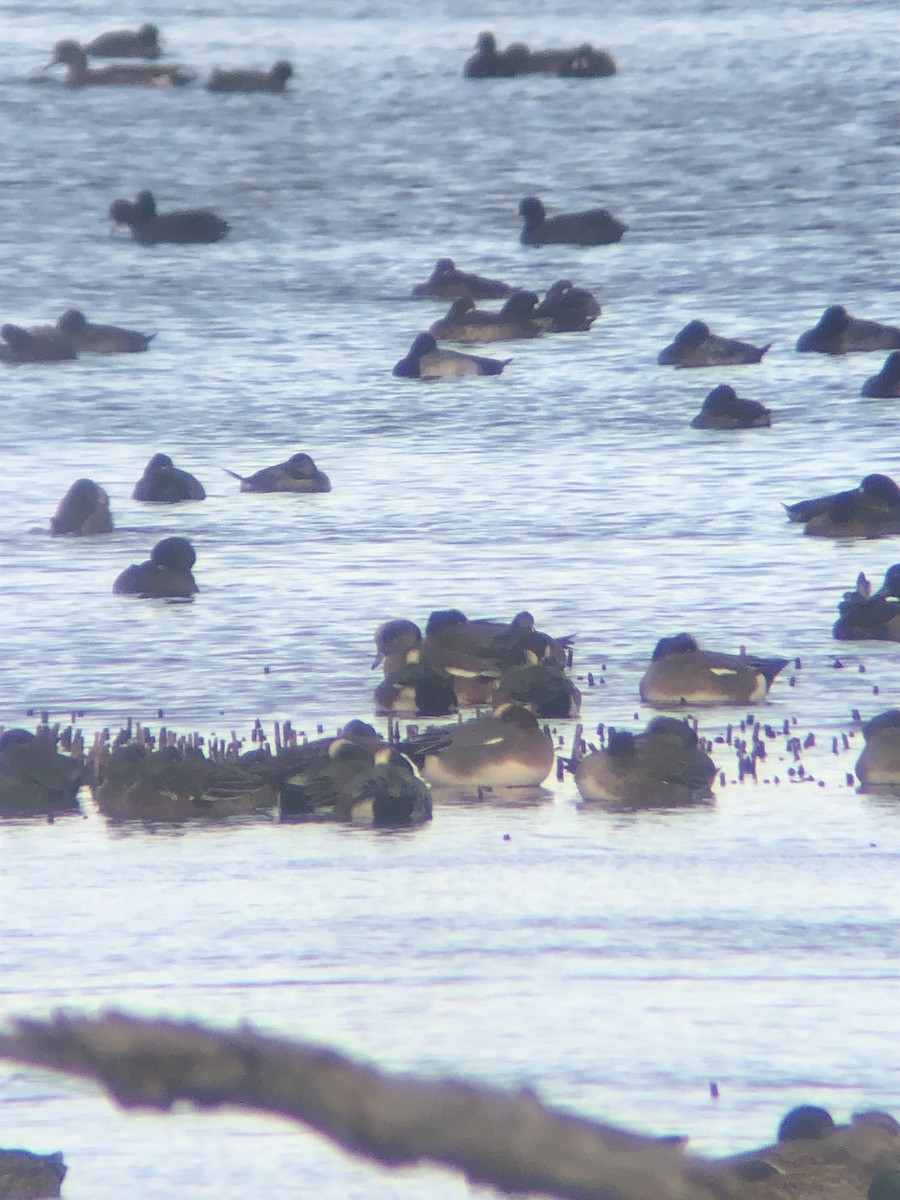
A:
[164,483]
[723,408]
[878,492]
[100,339]
[680,673]
[426,361]
[446,282]
[298,474]
[865,616]
[35,779]
[126,43]
[839,333]
[416,689]
[886,384]
[595,227]
[83,510]
[662,765]
[541,687]
[567,309]
[165,575]
[34,346]
[696,346]
[466,323]
[186,226]
[79,74]
[488,62]
[272,80]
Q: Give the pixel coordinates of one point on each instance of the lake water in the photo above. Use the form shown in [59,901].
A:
[616,962]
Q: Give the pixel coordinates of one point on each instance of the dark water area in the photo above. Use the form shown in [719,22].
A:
[616,962]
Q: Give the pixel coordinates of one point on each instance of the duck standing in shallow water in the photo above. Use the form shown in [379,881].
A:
[696,346]
[164,483]
[680,673]
[188,226]
[662,765]
[426,361]
[595,227]
[446,282]
[126,43]
[166,575]
[298,474]
[723,408]
[839,333]
[79,74]
[865,616]
[272,80]
[100,339]
[83,510]
[886,384]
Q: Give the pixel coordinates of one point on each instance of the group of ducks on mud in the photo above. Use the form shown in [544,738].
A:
[145,43]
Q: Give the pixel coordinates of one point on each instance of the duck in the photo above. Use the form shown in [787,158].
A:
[165,575]
[879,763]
[837,332]
[447,282]
[723,408]
[298,474]
[466,323]
[311,779]
[164,483]
[488,61]
[506,749]
[886,384]
[272,80]
[582,61]
[681,673]
[188,226]
[447,650]
[25,1174]
[542,687]
[425,361]
[87,338]
[871,514]
[135,782]
[389,794]
[416,689]
[79,74]
[587,62]
[394,640]
[696,346]
[567,309]
[595,227]
[35,779]
[877,492]
[143,42]
[83,511]
[865,616]
[662,765]
[39,345]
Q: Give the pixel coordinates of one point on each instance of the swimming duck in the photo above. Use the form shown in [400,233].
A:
[100,339]
[126,43]
[595,227]
[723,408]
[165,575]
[488,61]
[869,511]
[542,687]
[79,74]
[83,510]
[696,346]
[34,778]
[416,689]
[681,673]
[133,782]
[298,474]
[662,765]
[868,617]
[506,749]
[886,384]
[466,323]
[426,361]
[164,483]
[446,282]
[877,492]
[272,80]
[567,309]
[186,226]
[839,333]
[38,345]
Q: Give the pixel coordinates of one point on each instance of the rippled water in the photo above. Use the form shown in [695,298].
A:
[616,962]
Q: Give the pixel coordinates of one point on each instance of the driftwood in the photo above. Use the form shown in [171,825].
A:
[508,1141]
